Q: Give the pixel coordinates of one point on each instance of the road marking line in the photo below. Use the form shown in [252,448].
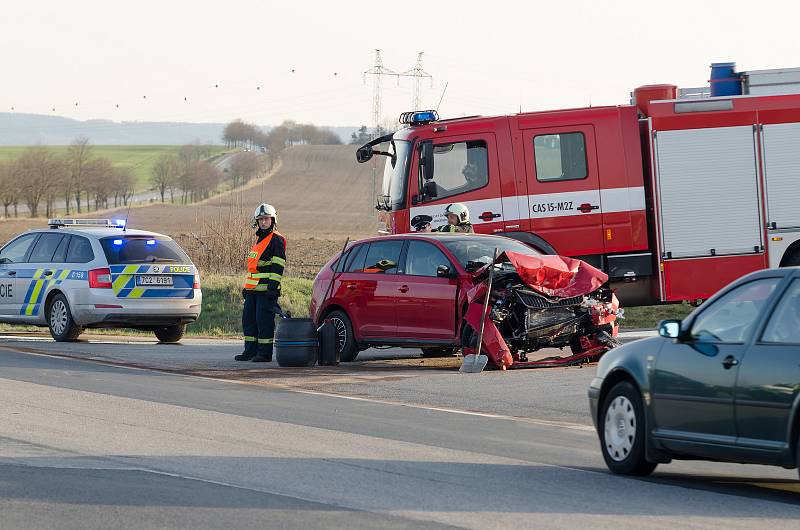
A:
[532,421]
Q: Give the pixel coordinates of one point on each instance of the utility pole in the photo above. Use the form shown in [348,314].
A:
[418,74]
[377,71]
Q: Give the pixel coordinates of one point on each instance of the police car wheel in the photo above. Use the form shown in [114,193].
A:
[59,320]
[348,351]
[170,333]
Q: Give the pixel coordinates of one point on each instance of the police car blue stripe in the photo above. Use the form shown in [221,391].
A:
[168,293]
[31,287]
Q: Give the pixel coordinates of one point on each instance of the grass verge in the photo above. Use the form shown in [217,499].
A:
[648,317]
[222,309]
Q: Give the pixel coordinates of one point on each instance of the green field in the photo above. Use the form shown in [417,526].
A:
[140,158]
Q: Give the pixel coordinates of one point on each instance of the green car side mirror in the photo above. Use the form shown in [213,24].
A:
[670,329]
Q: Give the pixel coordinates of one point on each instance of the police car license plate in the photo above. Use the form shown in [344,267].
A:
[154,279]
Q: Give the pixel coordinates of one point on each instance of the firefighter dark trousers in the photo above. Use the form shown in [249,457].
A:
[258,322]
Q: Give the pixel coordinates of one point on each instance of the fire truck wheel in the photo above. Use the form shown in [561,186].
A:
[793,260]
[348,351]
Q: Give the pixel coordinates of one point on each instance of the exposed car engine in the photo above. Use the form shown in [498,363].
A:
[543,302]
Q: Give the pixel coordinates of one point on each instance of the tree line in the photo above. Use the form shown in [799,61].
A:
[191,176]
[239,133]
[40,177]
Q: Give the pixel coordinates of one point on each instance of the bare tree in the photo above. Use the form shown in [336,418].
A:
[164,174]
[33,171]
[100,181]
[78,157]
[57,176]
[244,166]
[9,187]
[124,183]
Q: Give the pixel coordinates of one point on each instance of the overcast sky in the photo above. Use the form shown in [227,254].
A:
[138,60]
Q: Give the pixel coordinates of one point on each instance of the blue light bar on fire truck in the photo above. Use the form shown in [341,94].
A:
[105,223]
[419,117]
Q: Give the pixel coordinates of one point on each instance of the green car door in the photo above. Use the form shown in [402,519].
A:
[693,382]
[769,378]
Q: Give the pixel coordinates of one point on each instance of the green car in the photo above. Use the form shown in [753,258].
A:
[723,385]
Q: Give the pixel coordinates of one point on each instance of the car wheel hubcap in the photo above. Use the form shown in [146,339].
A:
[58,317]
[341,332]
[620,428]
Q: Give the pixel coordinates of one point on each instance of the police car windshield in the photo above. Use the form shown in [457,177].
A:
[142,249]
[394,175]
[481,249]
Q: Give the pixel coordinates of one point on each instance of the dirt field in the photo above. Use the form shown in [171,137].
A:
[321,193]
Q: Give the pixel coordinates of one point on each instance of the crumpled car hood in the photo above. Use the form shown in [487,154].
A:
[554,276]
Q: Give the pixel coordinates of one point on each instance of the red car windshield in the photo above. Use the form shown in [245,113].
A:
[479,249]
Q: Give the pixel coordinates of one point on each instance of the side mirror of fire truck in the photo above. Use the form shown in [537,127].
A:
[429,190]
[363,154]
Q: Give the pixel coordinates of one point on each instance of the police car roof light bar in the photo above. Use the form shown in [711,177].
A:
[106,223]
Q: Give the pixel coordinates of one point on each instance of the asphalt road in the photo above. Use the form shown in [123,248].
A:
[87,441]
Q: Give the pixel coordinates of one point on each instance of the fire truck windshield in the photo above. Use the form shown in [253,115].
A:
[394,175]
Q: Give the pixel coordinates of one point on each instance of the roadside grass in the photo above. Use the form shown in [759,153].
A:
[222,310]
[222,304]
[139,158]
[648,317]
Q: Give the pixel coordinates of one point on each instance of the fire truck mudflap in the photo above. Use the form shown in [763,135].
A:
[542,302]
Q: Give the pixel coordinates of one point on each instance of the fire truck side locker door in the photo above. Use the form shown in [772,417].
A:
[564,188]
[781,163]
[709,200]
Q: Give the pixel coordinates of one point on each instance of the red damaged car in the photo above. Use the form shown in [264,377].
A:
[427,291]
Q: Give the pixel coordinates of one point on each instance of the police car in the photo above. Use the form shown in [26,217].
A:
[95,273]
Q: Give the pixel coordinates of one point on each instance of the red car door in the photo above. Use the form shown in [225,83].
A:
[426,308]
[370,287]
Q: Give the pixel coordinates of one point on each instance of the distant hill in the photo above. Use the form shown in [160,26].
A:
[31,129]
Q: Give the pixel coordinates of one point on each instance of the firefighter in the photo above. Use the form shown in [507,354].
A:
[457,219]
[262,286]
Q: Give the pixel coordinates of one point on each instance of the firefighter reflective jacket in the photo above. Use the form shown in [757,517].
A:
[462,228]
[265,264]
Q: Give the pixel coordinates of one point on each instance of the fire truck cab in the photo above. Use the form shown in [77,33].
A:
[672,196]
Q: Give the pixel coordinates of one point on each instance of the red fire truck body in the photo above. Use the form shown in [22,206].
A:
[672,197]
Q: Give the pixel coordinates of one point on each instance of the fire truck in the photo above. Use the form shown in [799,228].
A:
[673,195]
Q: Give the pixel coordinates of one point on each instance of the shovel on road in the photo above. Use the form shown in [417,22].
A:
[475,363]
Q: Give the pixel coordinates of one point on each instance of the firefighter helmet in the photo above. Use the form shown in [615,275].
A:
[459,210]
[264,210]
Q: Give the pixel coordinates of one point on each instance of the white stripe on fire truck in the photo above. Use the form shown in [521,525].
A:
[544,205]
[622,199]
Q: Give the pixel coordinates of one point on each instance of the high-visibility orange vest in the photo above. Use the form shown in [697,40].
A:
[253,276]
